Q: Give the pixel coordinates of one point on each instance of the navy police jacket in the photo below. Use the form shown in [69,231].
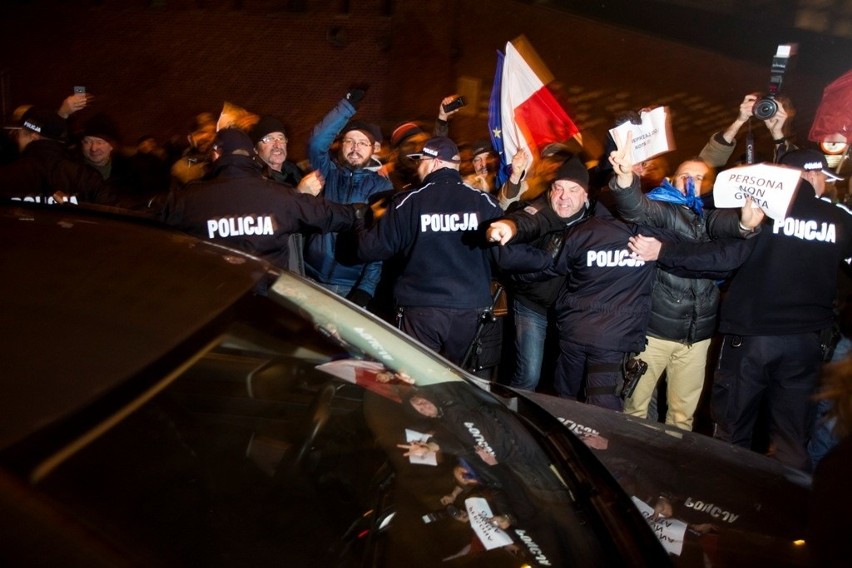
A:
[437,231]
[240,208]
[605,301]
[788,283]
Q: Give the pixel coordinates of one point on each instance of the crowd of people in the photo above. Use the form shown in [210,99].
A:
[629,265]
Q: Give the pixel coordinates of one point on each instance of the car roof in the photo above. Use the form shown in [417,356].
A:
[89,299]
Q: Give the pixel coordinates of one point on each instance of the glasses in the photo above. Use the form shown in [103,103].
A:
[357,143]
[271,139]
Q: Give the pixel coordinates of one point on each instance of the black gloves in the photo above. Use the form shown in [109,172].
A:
[359,297]
[355,94]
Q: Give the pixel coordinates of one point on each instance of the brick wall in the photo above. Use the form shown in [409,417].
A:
[153,65]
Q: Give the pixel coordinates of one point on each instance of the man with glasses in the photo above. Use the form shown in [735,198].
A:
[330,259]
[270,141]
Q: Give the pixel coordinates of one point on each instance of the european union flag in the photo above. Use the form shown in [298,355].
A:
[495,122]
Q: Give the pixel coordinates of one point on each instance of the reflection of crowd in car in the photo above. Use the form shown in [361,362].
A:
[432,239]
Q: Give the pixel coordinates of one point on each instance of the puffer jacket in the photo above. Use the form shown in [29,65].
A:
[683,309]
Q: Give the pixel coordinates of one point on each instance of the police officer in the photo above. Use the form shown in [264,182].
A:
[778,304]
[444,283]
[602,308]
[236,206]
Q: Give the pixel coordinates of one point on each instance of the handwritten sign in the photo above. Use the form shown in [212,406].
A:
[669,531]
[649,139]
[771,187]
[479,513]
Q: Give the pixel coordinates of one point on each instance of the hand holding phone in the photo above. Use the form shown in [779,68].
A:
[454,104]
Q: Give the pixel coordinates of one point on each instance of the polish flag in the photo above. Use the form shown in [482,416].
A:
[527,116]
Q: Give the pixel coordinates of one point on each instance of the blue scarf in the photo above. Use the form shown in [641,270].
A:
[670,194]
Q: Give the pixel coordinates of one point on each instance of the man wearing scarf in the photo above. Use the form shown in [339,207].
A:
[683,310]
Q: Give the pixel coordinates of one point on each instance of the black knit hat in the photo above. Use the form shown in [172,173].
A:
[573,170]
[101,126]
[481,147]
[266,125]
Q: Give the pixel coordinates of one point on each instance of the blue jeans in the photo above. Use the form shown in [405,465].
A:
[530,334]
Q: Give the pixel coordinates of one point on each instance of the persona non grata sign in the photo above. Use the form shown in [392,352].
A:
[771,187]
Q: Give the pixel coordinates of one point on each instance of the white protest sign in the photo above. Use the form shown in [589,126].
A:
[650,138]
[771,187]
[669,531]
[479,513]
[429,458]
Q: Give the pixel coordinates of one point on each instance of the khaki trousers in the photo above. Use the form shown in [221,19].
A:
[684,366]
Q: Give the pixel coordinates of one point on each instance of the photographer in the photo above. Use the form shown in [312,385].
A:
[721,145]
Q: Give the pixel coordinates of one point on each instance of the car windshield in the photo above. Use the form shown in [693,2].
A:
[301,436]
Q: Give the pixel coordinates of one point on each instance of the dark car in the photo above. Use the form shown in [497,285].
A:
[169,401]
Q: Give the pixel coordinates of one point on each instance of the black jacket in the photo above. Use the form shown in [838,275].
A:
[789,281]
[606,299]
[436,231]
[540,296]
[44,168]
[683,309]
[237,206]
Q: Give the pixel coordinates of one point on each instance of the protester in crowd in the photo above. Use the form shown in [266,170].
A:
[270,141]
[563,205]
[407,139]
[683,312]
[238,207]
[445,279]
[43,172]
[717,152]
[99,150]
[348,179]
[483,159]
[652,172]
[824,436]
[777,313]
[529,179]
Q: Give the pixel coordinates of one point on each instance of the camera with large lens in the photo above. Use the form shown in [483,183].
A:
[766,107]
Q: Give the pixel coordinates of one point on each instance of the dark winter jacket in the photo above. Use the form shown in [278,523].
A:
[437,233]
[240,208]
[683,309]
[606,299]
[541,296]
[44,168]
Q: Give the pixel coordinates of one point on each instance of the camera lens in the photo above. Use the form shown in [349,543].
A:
[765,108]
